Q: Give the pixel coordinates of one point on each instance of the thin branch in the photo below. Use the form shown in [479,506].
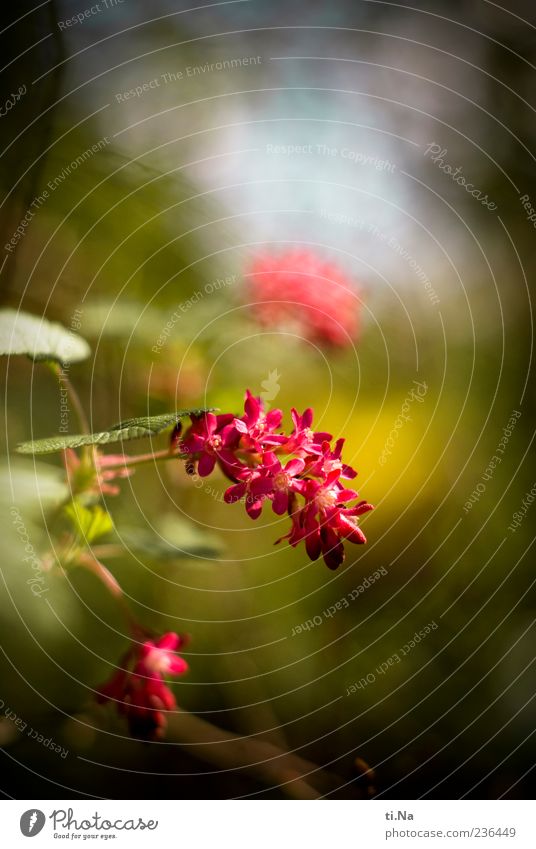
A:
[102,573]
[73,396]
[106,578]
[275,767]
[139,459]
[108,550]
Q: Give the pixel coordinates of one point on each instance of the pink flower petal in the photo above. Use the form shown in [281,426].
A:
[280,502]
[206,464]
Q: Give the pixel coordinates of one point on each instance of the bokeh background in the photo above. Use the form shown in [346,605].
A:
[192,178]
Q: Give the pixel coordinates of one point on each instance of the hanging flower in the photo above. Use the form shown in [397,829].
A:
[138,688]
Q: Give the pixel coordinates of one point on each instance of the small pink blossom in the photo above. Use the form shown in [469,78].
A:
[139,689]
[303,439]
[283,480]
[95,480]
[331,460]
[253,486]
[325,521]
[107,474]
[211,438]
[257,428]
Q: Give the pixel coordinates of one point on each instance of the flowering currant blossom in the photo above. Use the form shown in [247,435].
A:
[211,438]
[138,687]
[306,483]
[324,521]
[311,294]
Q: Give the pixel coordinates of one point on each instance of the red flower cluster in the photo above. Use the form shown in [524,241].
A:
[308,487]
[139,689]
[300,289]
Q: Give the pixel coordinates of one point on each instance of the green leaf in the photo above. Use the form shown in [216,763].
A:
[155,424]
[32,487]
[89,523]
[39,339]
[27,492]
[138,428]
[172,539]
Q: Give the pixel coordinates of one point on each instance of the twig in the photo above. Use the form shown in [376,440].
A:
[106,578]
[103,574]
[73,395]
[295,776]
[139,459]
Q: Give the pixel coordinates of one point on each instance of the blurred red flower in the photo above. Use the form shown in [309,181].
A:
[305,292]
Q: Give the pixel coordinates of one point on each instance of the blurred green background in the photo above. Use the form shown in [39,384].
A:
[184,192]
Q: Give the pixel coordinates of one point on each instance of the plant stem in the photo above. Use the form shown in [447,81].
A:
[106,578]
[139,459]
[293,775]
[108,550]
[89,452]
[73,395]
[102,573]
